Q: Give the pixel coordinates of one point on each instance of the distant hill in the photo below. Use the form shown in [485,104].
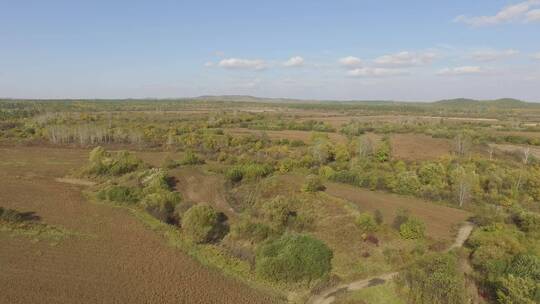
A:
[502,102]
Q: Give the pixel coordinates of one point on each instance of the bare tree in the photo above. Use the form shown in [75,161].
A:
[462,144]
[463,183]
[365,146]
[490,150]
[526,154]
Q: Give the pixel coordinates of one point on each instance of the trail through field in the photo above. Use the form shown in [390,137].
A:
[118,261]
[329,295]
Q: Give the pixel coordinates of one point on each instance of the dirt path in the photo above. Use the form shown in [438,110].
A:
[463,234]
[120,261]
[329,295]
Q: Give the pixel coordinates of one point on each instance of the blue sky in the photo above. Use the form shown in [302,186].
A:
[402,50]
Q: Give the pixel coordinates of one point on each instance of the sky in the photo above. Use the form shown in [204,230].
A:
[366,50]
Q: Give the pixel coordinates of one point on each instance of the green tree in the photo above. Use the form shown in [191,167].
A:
[202,224]
[384,151]
[313,184]
[518,290]
[293,258]
[366,223]
[412,229]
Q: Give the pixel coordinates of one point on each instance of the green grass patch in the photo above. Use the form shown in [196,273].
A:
[36,231]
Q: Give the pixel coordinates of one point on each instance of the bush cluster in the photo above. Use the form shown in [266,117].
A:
[203,224]
[293,258]
[104,163]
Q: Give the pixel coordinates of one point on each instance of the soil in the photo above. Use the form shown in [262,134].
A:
[118,260]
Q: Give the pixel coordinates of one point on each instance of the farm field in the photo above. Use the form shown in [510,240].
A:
[115,258]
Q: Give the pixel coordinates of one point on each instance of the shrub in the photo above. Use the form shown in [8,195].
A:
[366,223]
[251,231]
[412,229]
[277,212]
[191,158]
[313,184]
[250,171]
[293,258]
[119,194]
[527,221]
[124,162]
[155,180]
[102,162]
[234,174]
[434,279]
[161,204]
[203,224]
[10,215]
[525,265]
[513,290]
[255,171]
[402,215]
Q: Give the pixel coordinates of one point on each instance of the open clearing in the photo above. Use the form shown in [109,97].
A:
[199,187]
[419,147]
[440,220]
[119,262]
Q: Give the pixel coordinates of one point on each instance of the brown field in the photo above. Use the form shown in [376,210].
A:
[199,187]
[419,147]
[117,261]
[440,220]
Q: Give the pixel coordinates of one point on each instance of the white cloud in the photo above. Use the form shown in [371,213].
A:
[507,14]
[405,59]
[533,15]
[209,64]
[493,55]
[295,61]
[375,72]
[238,63]
[463,70]
[350,62]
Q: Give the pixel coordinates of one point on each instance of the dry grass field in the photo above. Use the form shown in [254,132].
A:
[116,260]
[419,147]
[440,220]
